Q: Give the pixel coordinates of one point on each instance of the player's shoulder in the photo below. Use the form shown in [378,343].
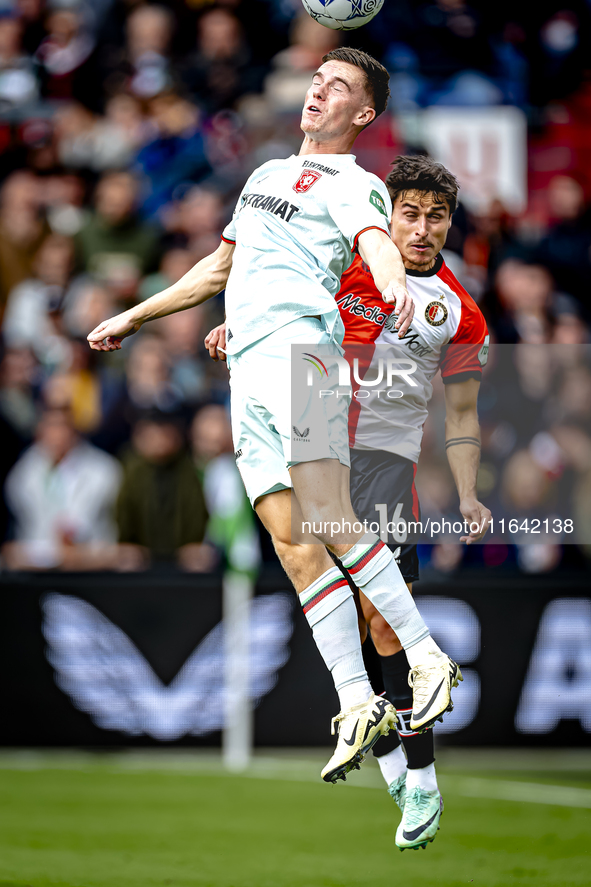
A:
[268,167]
[446,276]
[359,276]
[366,177]
[471,324]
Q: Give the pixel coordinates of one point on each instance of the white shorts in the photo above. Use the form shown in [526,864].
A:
[289,404]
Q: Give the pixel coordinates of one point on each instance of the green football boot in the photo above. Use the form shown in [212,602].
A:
[420,819]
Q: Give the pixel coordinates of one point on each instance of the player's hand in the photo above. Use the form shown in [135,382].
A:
[474,512]
[398,295]
[215,342]
[109,334]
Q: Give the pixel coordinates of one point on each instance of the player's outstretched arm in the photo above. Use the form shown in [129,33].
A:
[462,443]
[206,279]
[386,265]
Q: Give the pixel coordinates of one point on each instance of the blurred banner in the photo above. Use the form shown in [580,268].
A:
[486,148]
[111,660]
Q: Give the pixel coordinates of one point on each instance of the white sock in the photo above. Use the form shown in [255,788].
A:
[393,764]
[354,694]
[331,613]
[418,654]
[373,569]
[424,778]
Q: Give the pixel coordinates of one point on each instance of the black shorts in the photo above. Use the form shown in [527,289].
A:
[383,493]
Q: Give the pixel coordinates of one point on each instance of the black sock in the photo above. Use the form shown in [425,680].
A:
[373,666]
[419,747]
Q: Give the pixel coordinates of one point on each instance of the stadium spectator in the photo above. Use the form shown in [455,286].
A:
[98,143]
[443,55]
[64,194]
[286,86]
[182,335]
[61,494]
[175,155]
[525,297]
[558,51]
[32,318]
[19,393]
[149,383]
[174,264]
[231,526]
[21,230]
[18,84]
[66,58]
[30,13]
[161,512]
[221,69]
[143,66]
[197,220]
[114,244]
[565,250]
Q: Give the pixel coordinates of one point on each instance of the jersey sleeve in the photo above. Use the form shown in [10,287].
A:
[467,353]
[359,205]
[229,232]
[360,303]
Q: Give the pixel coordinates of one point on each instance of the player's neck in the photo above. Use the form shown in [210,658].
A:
[412,266]
[336,145]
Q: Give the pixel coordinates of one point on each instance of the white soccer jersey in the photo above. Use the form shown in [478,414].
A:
[448,332]
[295,226]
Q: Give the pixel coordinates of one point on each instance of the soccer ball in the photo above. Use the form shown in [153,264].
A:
[342,15]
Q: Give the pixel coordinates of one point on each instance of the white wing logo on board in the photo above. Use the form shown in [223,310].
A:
[105,675]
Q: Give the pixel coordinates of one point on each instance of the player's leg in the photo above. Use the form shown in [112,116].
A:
[419,747]
[316,444]
[322,489]
[260,409]
[422,803]
[377,477]
[329,607]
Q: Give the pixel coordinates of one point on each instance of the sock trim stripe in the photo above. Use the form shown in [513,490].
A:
[364,558]
[323,592]
[328,578]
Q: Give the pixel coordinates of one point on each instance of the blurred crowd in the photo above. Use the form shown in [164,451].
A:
[127,129]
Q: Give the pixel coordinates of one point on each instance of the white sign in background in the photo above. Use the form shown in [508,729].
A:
[486,148]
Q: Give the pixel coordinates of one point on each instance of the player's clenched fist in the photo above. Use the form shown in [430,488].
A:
[108,335]
[215,342]
[397,294]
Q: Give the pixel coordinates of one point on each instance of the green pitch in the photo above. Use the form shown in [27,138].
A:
[146,820]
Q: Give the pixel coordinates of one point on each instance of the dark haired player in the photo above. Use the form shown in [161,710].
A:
[448,334]
[281,259]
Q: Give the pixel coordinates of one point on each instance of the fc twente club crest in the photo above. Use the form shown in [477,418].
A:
[306,180]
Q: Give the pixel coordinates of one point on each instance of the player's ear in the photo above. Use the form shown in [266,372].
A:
[366,115]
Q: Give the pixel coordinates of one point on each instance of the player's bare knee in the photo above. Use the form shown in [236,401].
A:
[383,635]
[302,563]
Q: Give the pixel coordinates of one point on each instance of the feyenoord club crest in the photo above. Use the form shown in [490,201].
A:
[435,313]
[306,180]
